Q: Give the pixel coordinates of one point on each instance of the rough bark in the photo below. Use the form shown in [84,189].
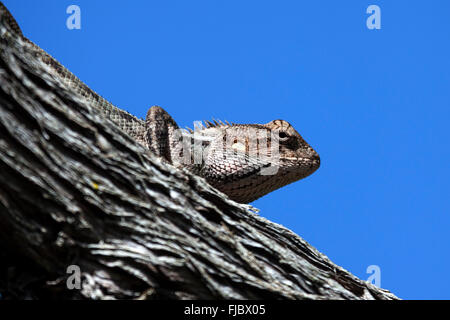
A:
[75,190]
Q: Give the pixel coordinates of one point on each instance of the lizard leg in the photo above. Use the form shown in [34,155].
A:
[160,133]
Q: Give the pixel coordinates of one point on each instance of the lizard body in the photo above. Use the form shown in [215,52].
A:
[244,161]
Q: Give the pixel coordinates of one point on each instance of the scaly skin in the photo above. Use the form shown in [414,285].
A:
[244,161]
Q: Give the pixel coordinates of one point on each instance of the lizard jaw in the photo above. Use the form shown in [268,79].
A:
[314,161]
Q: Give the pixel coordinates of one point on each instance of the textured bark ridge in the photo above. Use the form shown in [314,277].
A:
[77,191]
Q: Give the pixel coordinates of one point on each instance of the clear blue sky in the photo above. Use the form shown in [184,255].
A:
[375,104]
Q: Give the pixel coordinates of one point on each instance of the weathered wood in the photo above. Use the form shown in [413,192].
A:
[75,190]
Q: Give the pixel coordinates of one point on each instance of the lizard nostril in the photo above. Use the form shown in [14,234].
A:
[315,157]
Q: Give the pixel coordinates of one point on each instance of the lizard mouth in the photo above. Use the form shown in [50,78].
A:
[314,160]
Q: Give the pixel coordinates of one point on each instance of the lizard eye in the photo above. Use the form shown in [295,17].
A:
[283,136]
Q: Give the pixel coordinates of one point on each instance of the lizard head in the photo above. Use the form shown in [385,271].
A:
[247,161]
[295,160]
[294,151]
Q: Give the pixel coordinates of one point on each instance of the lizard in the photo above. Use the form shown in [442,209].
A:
[244,161]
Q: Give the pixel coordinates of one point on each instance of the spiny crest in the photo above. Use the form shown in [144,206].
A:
[206,124]
[217,123]
[189,130]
